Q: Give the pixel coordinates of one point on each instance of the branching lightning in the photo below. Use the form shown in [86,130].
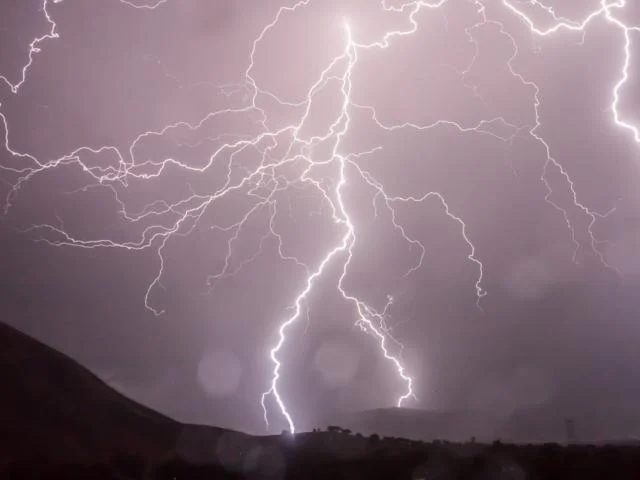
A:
[271,178]
[33,49]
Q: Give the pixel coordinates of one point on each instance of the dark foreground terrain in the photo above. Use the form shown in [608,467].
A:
[312,457]
[57,420]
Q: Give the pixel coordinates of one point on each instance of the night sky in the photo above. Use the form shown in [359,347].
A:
[116,227]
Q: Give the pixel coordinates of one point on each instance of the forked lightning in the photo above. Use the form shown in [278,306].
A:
[286,147]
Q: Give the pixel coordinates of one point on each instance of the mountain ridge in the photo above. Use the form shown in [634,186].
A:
[53,407]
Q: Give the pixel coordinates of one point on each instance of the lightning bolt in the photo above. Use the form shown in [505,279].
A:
[286,149]
[340,216]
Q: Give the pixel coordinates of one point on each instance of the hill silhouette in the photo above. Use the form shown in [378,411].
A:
[52,407]
[54,411]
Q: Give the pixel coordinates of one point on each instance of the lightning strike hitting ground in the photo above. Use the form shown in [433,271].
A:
[162,220]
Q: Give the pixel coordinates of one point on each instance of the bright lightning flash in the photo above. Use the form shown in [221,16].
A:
[263,183]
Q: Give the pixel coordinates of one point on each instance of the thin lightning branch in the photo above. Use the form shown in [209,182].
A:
[52,34]
[563,24]
[270,181]
[480,292]
[144,6]
[34,48]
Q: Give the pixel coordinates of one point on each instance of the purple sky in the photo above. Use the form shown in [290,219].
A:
[557,326]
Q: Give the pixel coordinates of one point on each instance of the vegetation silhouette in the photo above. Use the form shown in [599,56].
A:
[338,454]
